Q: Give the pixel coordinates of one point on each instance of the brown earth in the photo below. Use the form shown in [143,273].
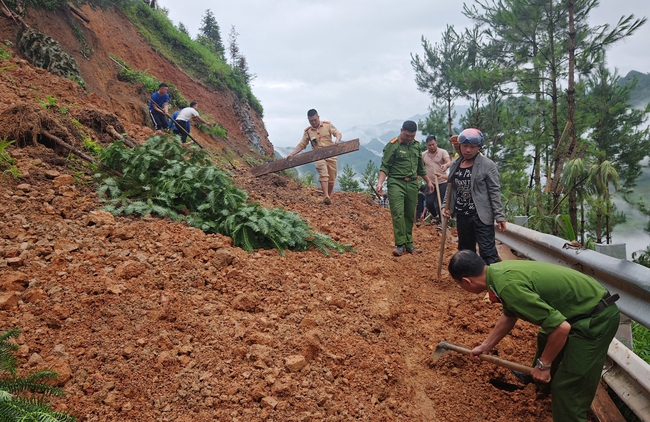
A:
[150,320]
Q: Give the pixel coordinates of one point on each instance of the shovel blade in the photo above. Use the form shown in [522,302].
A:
[440,351]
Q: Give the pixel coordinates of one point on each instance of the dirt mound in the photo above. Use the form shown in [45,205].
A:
[153,320]
[149,320]
[25,123]
[97,120]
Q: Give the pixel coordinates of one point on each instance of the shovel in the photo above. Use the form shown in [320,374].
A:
[443,348]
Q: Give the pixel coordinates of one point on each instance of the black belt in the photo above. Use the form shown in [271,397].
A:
[607,300]
[406,179]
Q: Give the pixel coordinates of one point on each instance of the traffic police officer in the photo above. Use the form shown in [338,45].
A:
[319,134]
[402,164]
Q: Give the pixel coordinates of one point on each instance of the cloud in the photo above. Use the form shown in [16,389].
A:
[350,59]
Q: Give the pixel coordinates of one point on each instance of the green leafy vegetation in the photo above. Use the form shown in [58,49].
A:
[164,178]
[641,343]
[49,102]
[197,59]
[347,180]
[4,54]
[213,130]
[308,180]
[564,142]
[23,398]
[369,178]
[210,34]
[7,164]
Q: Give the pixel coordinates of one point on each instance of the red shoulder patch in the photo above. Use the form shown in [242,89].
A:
[392,141]
[493,297]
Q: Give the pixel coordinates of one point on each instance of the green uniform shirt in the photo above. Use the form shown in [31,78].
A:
[541,293]
[401,160]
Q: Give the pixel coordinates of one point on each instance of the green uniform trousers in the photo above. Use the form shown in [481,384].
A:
[403,198]
[577,369]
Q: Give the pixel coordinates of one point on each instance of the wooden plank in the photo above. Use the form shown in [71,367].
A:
[306,157]
[604,408]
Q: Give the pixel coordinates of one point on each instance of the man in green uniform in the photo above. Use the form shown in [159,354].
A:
[576,315]
[402,164]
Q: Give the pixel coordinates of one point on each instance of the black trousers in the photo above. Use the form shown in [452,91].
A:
[184,124]
[471,231]
[159,120]
[432,200]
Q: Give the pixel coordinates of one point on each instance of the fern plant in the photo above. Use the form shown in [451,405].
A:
[23,398]
[164,178]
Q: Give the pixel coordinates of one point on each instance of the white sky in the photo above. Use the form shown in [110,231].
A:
[350,59]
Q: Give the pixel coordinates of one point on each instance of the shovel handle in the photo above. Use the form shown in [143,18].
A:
[501,362]
[443,220]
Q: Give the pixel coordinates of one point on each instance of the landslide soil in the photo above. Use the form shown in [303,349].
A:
[150,320]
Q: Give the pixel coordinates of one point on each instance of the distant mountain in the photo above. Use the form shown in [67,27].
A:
[383,131]
[640,95]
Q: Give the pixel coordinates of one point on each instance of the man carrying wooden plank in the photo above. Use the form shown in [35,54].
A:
[319,134]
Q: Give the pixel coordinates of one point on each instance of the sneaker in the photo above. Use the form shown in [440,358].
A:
[327,201]
[413,250]
[399,251]
[523,378]
[439,227]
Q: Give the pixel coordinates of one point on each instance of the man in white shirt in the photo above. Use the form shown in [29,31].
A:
[437,161]
[183,119]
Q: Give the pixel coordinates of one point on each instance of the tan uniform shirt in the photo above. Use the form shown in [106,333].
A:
[434,162]
[319,137]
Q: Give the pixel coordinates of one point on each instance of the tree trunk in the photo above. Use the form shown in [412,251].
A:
[582,222]
[599,223]
[554,119]
[608,231]
[571,90]
[449,119]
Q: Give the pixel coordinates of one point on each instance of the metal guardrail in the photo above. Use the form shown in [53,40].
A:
[628,375]
[631,281]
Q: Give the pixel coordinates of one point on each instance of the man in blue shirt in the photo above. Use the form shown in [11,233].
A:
[159,107]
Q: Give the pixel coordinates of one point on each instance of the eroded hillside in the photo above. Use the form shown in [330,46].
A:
[150,320]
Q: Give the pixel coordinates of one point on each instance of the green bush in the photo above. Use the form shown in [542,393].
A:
[216,130]
[164,178]
[4,54]
[23,398]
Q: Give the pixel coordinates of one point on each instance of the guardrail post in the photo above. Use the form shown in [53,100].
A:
[624,333]
[521,220]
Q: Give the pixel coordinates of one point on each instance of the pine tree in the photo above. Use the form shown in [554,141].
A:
[369,178]
[435,72]
[347,181]
[210,34]
[182,28]
[237,60]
